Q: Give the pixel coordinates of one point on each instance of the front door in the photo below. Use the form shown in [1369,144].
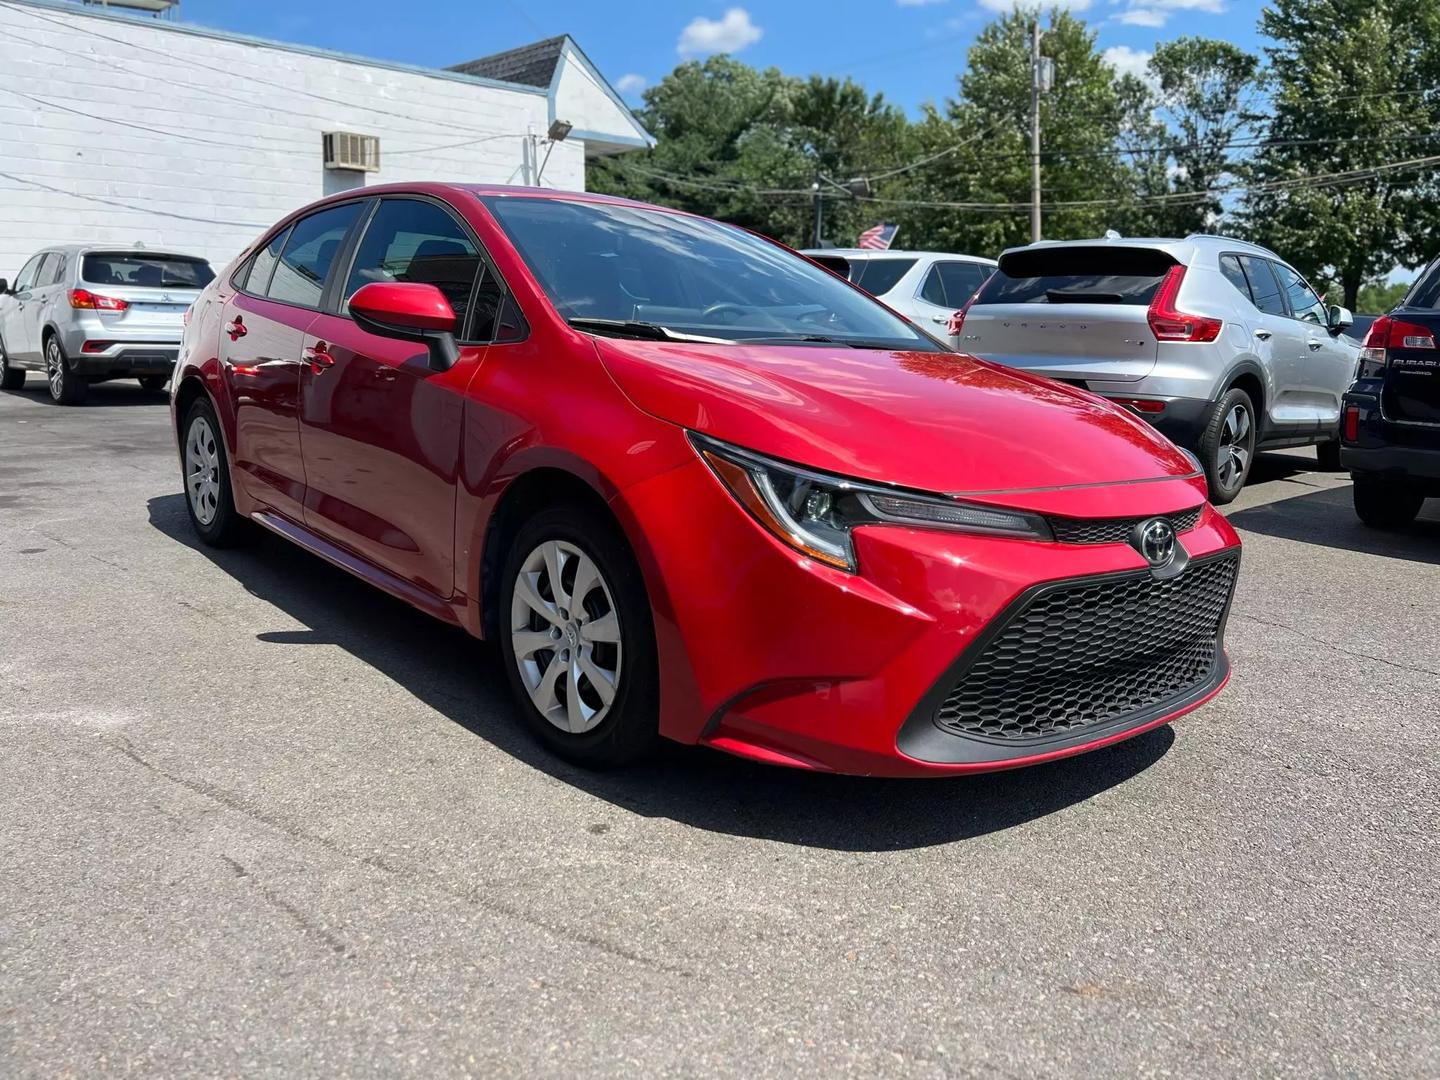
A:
[381,430]
[18,311]
[1326,364]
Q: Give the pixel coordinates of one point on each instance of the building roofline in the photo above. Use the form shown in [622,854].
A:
[73,9]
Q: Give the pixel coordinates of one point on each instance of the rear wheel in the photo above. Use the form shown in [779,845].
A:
[1227,445]
[206,475]
[66,387]
[11,378]
[1385,504]
[154,382]
[1327,454]
[578,639]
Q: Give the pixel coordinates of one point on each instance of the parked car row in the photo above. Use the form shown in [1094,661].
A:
[87,314]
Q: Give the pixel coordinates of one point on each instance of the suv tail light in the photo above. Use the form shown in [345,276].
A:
[84,298]
[1169,323]
[1388,333]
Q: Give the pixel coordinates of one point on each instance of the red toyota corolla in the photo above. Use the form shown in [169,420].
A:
[698,487]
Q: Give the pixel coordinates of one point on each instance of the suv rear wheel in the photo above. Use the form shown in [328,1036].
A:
[578,639]
[66,387]
[1385,504]
[1227,445]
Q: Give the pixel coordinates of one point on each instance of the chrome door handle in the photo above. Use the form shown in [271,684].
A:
[1314,345]
[319,357]
[236,329]
[939,319]
[1264,335]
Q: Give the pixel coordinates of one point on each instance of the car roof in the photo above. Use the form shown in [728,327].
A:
[1183,249]
[854,254]
[126,249]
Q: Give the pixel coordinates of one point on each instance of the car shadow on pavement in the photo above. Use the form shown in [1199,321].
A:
[463,679]
[1326,517]
[108,395]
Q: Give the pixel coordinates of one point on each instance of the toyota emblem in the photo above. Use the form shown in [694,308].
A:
[1157,542]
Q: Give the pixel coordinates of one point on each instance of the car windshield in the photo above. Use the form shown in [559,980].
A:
[137,268]
[636,272]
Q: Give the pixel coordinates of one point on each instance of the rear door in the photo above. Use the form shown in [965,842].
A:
[156,288]
[947,287]
[379,428]
[1279,342]
[262,334]
[1070,312]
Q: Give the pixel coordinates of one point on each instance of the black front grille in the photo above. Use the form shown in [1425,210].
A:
[1093,651]
[1116,530]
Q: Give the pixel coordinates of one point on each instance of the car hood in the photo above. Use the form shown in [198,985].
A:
[941,422]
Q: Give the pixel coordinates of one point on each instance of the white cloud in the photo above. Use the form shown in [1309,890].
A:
[1127,61]
[1144,17]
[631,84]
[1004,7]
[729,34]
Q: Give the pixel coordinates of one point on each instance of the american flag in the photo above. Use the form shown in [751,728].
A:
[878,238]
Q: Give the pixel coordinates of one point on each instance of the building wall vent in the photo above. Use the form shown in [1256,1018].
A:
[347,150]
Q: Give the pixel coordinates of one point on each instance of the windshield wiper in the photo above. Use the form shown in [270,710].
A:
[647,331]
[818,339]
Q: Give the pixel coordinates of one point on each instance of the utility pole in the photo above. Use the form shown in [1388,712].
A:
[1035,80]
[819,210]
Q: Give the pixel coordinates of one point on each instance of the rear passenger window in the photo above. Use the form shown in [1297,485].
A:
[414,241]
[1425,293]
[1230,267]
[310,251]
[877,276]
[46,274]
[951,284]
[1263,286]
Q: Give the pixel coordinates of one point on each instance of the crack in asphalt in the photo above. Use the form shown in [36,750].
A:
[1340,648]
[490,903]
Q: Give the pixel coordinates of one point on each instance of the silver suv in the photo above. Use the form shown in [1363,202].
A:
[1216,342]
[83,314]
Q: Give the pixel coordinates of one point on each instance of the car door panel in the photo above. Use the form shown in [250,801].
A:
[381,437]
[20,341]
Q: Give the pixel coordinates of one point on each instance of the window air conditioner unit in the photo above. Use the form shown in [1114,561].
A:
[347,150]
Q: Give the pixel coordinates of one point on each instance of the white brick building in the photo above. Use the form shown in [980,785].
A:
[117,129]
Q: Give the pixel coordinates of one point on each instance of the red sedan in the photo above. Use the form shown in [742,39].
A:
[698,487]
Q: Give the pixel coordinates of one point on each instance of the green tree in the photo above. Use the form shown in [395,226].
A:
[1379,298]
[1202,88]
[1354,89]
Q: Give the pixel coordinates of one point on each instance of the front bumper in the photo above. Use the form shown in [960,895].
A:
[770,655]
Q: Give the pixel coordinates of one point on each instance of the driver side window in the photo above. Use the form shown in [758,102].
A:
[26,278]
[1304,304]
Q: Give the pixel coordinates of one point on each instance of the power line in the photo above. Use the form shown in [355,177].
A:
[128,206]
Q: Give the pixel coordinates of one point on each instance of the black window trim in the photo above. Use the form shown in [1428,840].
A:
[286,228]
[1285,294]
[1248,294]
[40,256]
[1269,262]
[333,301]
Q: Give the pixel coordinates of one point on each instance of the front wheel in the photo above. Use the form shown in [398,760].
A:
[66,386]
[578,639]
[11,377]
[1227,445]
[1385,504]
[154,382]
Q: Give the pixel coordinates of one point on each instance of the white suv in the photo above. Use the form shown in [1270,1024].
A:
[924,286]
[1216,342]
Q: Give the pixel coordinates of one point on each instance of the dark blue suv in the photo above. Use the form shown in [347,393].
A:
[1390,420]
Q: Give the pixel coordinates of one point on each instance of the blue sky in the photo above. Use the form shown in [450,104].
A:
[909,49]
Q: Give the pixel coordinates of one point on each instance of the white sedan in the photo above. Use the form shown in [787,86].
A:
[926,287]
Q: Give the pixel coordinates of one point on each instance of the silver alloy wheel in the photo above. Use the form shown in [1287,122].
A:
[202,470]
[565,631]
[1233,453]
[54,368]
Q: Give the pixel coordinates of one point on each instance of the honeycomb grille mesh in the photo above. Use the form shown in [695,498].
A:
[1093,651]
[1114,530]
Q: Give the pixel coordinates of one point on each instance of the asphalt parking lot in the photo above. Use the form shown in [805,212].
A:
[257,819]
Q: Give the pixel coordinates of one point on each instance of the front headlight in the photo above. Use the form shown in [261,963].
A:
[814,512]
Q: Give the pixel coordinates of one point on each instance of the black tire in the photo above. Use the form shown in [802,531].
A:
[154,382]
[1327,454]
[11,378]
[1385,504]
[1224,473]
[66,387]
[630,729]
[226,528]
